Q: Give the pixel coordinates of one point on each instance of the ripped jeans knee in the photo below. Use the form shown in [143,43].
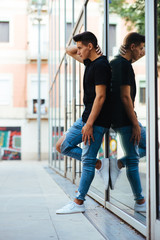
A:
[71,149]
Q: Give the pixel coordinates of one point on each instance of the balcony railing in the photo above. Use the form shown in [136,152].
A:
[33,4]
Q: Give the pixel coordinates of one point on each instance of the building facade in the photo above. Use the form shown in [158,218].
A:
[19,80]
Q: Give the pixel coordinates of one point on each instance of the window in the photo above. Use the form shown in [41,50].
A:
[69,30]
[5,91]
[142,91]
[4,30]
[33,95]
[33,41]
[43,106]
[112,39]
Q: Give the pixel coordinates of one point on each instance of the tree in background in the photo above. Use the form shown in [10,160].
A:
[134,15]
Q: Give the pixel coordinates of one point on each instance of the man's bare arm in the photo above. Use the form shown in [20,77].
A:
[87,130]
[127,101]
[72,51]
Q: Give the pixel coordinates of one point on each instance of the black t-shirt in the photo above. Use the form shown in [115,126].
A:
[122,74]
[97,72]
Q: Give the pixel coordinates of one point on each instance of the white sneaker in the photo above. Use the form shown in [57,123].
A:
[140,207]
[104,171]
[114,172]
[71,207]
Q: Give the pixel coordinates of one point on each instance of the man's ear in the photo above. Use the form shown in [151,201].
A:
[90,46]
[132,47]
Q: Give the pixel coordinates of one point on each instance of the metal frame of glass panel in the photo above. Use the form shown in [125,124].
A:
[153,223]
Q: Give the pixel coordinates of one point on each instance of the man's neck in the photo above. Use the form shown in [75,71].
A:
[127,56]
[94,56]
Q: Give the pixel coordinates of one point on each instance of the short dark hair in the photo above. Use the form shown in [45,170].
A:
[85,38]
[135,38]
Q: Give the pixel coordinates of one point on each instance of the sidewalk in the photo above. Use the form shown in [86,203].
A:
[29,197]
[28,201]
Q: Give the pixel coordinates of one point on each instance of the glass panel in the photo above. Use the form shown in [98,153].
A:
[68,19]
[125,18]
[58,88]
[77,8]
[158,94]
[58,128]
[95,20]
[95,24]
[51,90]
[58,133]
[68,30]
[61,112]
[54,128]
[61,28]
[50,128]
[79,105]
[55,46]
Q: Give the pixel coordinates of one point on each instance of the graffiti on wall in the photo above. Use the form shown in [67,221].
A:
[10,143]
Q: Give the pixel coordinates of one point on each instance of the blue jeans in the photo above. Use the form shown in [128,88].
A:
[87,154]
[132,155]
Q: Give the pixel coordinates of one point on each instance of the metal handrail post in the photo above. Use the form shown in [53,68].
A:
[39,80]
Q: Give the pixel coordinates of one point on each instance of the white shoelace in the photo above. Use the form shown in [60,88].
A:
[70,205]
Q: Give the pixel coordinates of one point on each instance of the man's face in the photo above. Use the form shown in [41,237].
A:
[83,50]
[137,51]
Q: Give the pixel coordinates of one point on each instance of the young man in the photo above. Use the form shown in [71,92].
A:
[124,118]
[95,119]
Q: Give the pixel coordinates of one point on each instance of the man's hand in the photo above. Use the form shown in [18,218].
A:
[87,132]
[128,104]
[99,50]
[136,134]
[122,50]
